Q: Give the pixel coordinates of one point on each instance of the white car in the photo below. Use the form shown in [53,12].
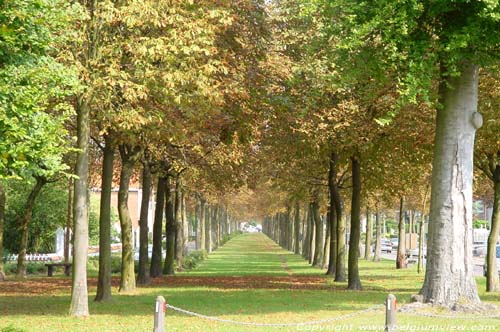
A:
[498,261]
[385,246]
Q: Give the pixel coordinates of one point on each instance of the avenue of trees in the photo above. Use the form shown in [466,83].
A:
[306,115]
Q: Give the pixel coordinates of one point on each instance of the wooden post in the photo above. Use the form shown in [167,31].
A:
[390,314]
[160,309]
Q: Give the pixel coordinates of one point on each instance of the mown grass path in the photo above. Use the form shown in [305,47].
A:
[244,280]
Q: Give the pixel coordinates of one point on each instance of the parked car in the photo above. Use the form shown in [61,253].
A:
[498,261]
[479,248]
[394,243]
[414,252]
[385,246]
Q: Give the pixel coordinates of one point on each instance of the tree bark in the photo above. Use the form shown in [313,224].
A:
[368,238]
[353,281]
[449,272]
[326,244]
[492,280]
[208,228]
[318,248]
[378,237]
[69,219]
[306,233]
[341,237]
[401,255]
[147,182]
[185,224]
[79,294]
[24,222]
[168,267]
[129,156]
[104,277]
[421,234]
[178,223]
[155,269]
[296,228]
[2,222]
[202,224]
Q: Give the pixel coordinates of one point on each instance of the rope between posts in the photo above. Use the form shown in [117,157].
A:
[426,314]
[315,322]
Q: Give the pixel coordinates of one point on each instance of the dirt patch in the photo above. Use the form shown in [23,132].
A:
[284,266]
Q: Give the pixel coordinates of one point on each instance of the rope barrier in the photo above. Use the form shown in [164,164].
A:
[315,322]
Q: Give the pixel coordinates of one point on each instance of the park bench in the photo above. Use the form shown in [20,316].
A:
[51,267]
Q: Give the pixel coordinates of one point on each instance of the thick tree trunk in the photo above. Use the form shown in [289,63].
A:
[168,267]
[353,281]
[155,269]
[104,278]
[296,228]
[492,280]
[79,293]
[147,182]
[449,274]
[378,237]
[318,248]
[129,157]
[2,222]
[24,222]
[401,254]
[368,238]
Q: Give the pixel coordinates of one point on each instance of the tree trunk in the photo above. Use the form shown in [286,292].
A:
[104,278]
[296,228]
[492,280]
[24,222]
[129,156]
[69,219]
[401,255]
[353,281]
[2,222]
[185,224]
[318,248]
[449,274]
[155,269]
[312,234]
[421,234]
[179,249]
[202,224]
[368,238]
[79,295]
[326,244]
[168,267]
[208,228]
[378,237]
[306,233]
[341,237]
[147,181]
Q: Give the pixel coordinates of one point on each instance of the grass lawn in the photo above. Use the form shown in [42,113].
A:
[250,279]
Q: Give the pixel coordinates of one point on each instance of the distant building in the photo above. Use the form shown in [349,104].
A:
[134,206]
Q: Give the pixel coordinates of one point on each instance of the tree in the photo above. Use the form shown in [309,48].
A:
[429,42]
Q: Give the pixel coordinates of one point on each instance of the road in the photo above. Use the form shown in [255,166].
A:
[478,262]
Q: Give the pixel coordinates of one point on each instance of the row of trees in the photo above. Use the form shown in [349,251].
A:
[253,107]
